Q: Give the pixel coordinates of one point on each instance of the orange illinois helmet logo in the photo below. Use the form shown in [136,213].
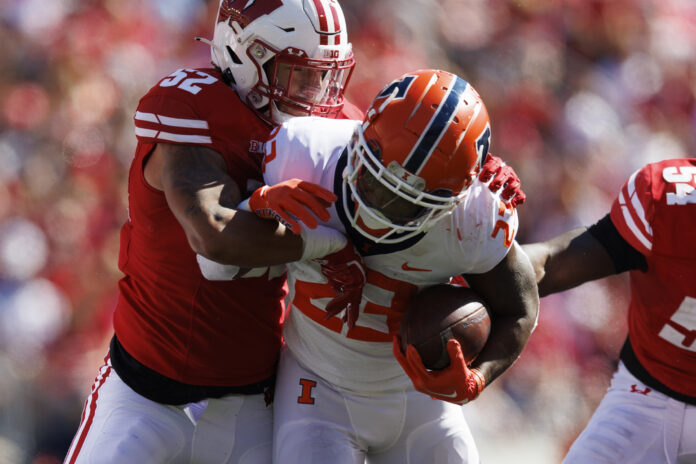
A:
[483,143]
[398,88]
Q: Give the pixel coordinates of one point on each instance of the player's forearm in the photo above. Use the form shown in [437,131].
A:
[204,199]
[513,322]
[508,337]
[246,240]
[221,233]
[568,260]
[511,293]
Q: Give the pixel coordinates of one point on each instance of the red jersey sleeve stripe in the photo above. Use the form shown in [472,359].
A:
[173,122]
[198,139]
[147,133]
[638,209]
[336,24]
[629,215]
[149,117]
[172,137]
[166,128]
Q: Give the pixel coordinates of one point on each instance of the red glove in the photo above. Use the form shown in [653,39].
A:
[290,200]
[502,175]
[456,383]
[346,273]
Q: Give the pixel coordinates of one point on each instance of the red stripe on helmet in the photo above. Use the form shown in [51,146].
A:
[337,24]
[323,23]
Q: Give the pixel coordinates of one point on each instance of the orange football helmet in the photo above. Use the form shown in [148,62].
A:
[412,160]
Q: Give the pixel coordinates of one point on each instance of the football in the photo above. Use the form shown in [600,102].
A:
[439,313]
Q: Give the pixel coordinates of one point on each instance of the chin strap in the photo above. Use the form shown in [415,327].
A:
[215,48]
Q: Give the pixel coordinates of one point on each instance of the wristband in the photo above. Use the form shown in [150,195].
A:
[320,242]
[481,383]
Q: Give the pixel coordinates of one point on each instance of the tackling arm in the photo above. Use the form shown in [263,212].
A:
[203,197]
[510,291]
[568,260]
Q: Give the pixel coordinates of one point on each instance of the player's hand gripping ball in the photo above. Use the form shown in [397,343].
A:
[439,313]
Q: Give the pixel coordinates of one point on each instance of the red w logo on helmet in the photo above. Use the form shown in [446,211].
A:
[245,11]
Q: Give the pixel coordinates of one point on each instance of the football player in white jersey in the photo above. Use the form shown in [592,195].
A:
[411,204]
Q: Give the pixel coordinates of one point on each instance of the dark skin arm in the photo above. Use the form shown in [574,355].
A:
[511,293]
[203,198]
[568,260]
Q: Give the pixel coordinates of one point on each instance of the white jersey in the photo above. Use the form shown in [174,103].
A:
[472,239]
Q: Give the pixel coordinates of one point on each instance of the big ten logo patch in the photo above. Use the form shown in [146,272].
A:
[256,147]
[306,392]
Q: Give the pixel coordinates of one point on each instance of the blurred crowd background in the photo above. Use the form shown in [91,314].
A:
[580,92]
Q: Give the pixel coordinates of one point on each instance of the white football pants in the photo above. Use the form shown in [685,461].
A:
[316,423]
[119,426]
[637,425]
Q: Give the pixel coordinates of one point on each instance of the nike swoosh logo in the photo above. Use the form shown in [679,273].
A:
[440,394]
[406,267]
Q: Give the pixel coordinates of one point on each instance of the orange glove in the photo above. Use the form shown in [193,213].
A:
[502,175]
[292,200]
[345,271]
[456,383]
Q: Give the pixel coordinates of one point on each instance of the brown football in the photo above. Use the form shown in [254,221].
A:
[439,313]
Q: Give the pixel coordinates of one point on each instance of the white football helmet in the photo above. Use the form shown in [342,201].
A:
[413,159]
[284,57]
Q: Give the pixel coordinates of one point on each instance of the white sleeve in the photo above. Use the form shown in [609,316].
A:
[306,148]
[485,230]
[289,155]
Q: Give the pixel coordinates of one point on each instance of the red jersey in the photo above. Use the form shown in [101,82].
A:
[656,213]
[169,317]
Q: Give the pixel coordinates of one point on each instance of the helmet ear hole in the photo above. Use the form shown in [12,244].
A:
[268,68]
[233,55]
[228,77]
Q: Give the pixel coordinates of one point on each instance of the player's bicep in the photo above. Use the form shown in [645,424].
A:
[199,191]
[510,286]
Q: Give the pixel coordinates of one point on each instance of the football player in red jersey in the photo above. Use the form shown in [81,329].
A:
[191,359]
[649,412]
